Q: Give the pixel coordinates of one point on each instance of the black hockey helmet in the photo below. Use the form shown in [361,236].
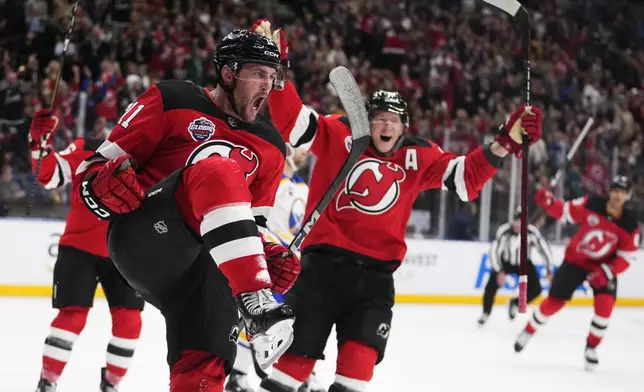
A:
[620,182]
[517,214]
[243,46]
[389,101]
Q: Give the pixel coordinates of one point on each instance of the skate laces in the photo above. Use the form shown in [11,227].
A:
[257,301]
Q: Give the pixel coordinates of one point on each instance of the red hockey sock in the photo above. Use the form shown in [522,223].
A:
[126,328]
[65,329]
[603,308]
[197,371]
[295,367]
[355,365]
[548,307]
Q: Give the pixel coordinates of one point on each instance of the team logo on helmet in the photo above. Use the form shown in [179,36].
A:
[201,129]
[246,158]
[373,187]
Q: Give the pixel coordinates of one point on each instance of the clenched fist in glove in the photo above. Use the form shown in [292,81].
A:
[543,197]
[113,189]
[263,27]
[523,120]
[283,267]
[601,277]
[41,132]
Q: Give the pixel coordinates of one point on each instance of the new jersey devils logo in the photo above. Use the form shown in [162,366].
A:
[597,243]
[244,157]
[372,187]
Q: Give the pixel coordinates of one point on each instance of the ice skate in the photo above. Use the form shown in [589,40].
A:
[513,308]
[45,386]
[269,325]
[106,386]
[483,319]
[312,384]
[237,382]
[522,340]
[591,358]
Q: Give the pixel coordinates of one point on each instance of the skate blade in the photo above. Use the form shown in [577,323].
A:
[590,367]
[267,346]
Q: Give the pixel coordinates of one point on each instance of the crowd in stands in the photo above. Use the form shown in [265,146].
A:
[457,64]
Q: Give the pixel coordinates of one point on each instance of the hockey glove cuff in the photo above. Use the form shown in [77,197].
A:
[601,277]
[283,267]
[544,198]
[263,27]
[113,189]
[41,132]
[523,120]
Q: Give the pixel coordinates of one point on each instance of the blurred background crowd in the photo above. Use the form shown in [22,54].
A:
[456,63]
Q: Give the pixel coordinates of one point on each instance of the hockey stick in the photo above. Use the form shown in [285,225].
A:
[573,150]
[522,21]
[353,103]
[351,97]
[32,191]
[569,156]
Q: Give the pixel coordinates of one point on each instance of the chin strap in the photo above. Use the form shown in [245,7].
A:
[229,90]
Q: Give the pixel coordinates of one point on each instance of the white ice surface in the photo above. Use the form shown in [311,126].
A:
[431,348]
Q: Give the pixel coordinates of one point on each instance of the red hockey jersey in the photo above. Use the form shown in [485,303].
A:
[175,124]
[600,238]
[83,230]
[369,214]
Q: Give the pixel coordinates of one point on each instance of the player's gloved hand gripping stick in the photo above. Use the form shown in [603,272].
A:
[46,121]
[522,22]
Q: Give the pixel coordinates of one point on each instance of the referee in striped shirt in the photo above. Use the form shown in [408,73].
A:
[504,258]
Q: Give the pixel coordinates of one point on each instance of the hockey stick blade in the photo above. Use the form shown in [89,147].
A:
[351,97]
[354,105]
[508,6]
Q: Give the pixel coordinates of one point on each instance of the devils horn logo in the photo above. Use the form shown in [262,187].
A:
[597,243]
[372,187]
[246,158]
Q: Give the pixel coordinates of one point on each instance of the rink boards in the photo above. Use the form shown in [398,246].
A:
[433,272]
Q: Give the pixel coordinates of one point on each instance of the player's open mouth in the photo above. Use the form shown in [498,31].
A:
[385,138]
[257,103]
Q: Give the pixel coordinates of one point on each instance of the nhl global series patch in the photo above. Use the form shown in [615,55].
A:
[201,129]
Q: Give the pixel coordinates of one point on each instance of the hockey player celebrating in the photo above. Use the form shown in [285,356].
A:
[504,259]
[350,254]
[284,221]
[188,177]
[603,247]
[82,262]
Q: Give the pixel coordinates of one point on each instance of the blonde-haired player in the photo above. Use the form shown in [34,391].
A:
[283,222]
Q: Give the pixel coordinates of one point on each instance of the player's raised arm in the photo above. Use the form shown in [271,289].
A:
[571,211]
[466,175]
[55,171]
[110,185]
[301,125]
